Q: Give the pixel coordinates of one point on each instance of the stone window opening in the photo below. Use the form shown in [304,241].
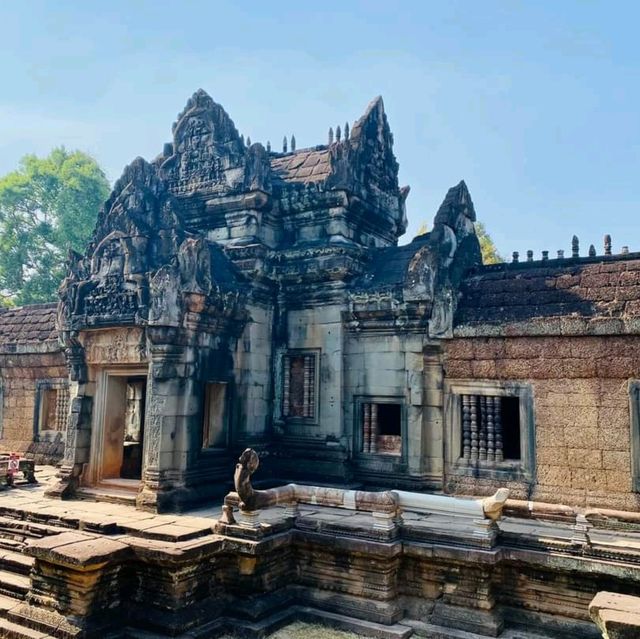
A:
[299,397]
[215,428]
[52,409]
[490,429]
[381,424]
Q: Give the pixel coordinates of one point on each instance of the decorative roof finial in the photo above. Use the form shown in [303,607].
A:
[268,146]
[330,135]
[529,255]
[248,141]
[561,254]
[575,246]
[284,144]
[516,257]
[592,251]
[625,250]
[242,138]
[346,131]
[293,142]
[545,256]
[338,134]
[607,244]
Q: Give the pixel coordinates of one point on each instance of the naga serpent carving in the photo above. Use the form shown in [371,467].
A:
[388,502]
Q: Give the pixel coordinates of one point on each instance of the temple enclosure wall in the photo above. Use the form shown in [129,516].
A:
[583,399]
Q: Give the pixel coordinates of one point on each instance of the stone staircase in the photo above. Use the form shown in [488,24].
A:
[14,577]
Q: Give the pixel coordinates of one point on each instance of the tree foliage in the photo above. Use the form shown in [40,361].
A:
[488,249]
[47,206]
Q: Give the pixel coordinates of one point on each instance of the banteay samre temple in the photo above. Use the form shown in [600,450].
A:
[252,405]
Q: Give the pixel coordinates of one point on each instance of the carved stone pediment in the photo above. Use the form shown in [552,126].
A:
[209,156]
[138,230]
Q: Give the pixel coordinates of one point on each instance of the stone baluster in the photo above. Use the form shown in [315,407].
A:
[309,385]
[366,434]
[491,442]
[466,427]
[306,387]
[497,427]
[374,428]
[482,448]
[286,387]
[474,428]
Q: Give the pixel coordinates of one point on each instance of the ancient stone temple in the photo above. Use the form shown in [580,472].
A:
[242,307]
[234,295]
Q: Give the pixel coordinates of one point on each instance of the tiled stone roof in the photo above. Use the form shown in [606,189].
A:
[305,165]
[581,288]
[389,266]
[28,324]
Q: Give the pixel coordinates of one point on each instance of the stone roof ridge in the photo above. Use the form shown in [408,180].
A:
[39,306]
[307,149]
[556,262]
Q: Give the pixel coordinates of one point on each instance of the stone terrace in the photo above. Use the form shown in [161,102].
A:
[92,555]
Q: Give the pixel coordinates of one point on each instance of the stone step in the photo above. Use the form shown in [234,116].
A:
[16,562]
[107,495]
[6,604]
[14,585]
[10,630]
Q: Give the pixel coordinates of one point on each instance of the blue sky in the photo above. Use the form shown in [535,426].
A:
[534,104]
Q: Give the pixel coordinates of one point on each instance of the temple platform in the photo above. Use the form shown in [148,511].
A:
[73,569]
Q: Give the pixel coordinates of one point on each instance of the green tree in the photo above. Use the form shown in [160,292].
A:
[489,251]
[47,206]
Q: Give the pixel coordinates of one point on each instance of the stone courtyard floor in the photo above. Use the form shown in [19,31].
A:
[301,630]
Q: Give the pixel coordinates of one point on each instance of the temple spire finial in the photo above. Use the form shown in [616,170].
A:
[284,144]
[575,246]
[293,142]
[330,135]
[607,244]
[338,133]
[346,131]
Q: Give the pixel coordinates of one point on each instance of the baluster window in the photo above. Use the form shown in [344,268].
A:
[299,386]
